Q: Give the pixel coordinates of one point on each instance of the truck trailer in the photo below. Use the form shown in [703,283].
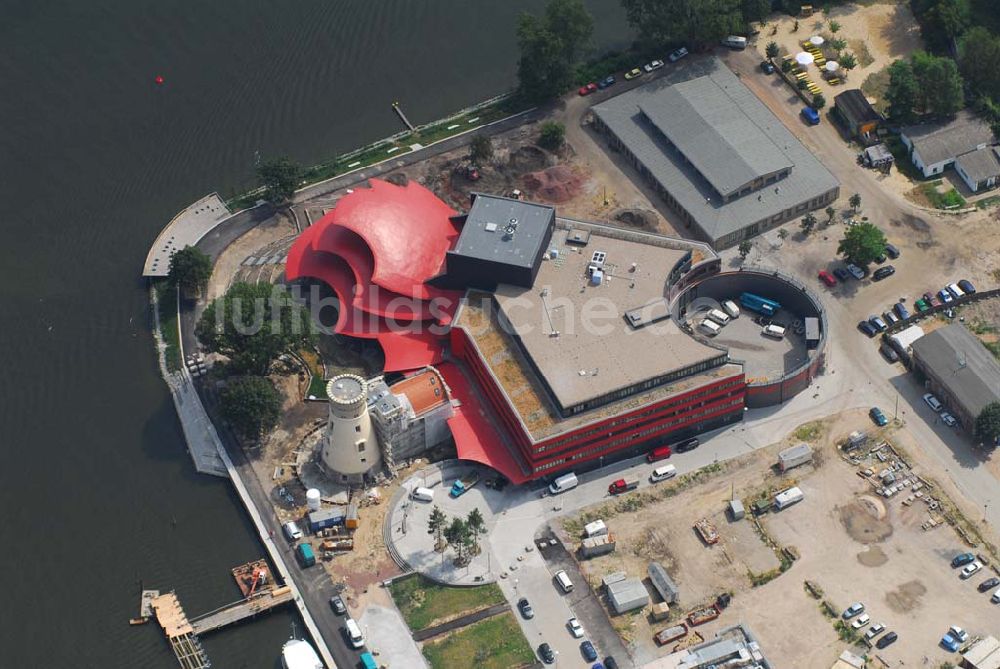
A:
[794,456]
[786,498]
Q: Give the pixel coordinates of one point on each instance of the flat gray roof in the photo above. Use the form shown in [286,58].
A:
[712,80]
[961,363]
[504,230]
[981,164]
[581,363]
[937,142]
[716,135]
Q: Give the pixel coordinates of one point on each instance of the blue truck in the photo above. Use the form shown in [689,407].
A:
[304,554]
[761,305]
[464,484]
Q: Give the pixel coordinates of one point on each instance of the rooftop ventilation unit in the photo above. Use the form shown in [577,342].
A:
[491,227]
[598,257]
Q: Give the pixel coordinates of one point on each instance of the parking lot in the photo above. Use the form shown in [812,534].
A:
[852,542]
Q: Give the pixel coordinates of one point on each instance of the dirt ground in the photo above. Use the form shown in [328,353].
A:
[851,542]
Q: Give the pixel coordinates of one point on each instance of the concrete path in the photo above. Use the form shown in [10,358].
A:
[396,648]
[464,621]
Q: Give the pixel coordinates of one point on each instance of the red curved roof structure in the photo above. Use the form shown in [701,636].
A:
[376,250]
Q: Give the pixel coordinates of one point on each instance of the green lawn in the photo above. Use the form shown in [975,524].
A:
[317,387]
[948,200]
[166,293]
[494,643]
[423,602]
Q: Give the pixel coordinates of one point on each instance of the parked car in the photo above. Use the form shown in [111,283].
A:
[545,652]
[525,608]
[810,115]
[607,82]
[933,403]
[587,89]
[878,417]
[673,58]
[945,296]
[588,650]
[686,445]
[989,584]
[966,286]
[610,663]
[970,569]
[881,258]
[854,609]
[652,65]
[921,305]
[767,67]
[901,311]
[861,621]
[962,559]
[827,278]
[867,328]
[291,531]
[841,274]
[888,352]
[874,631]
[575,628]
[338,605]
[931,300]
[878,323]
[633,73]
[948,419]
[855,271]
[883,272]
[996,597]
[891,251]
[887,640]
[890,318]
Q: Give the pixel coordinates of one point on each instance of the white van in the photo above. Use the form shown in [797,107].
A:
[955,291]
[718,316]
[710,327]
[735,42]
[663,473]
[354,633]
[564,483]
[775,331]
[292,531]
[422,494]
[730,308]
[563,580]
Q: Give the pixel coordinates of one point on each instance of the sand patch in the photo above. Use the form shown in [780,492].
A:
[906,597]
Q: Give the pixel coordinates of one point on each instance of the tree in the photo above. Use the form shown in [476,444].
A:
[848,61]
[980,46]
[755,11]
[902,93]
[252,324]
[808,223]
[279,177]
[190,269]
[830,213]
[782,234]
[745,247]
[855,202]
[552,135]
[772,50]
[457,534]
[862,244]
[436,525]
[786,66]
[834,27]
[550,45]
[819,101]
[698,22]
[481,149]
[476,527]
[952,17]
[251,405]
[988,424]
[939,85]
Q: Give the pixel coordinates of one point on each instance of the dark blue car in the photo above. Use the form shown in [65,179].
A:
[606,82]
[901,311]
[588,650]
[810,115]
[879,417]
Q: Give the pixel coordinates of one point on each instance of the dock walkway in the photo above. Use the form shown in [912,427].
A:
[241,610]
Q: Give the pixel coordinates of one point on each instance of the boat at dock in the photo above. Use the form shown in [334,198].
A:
[298,654]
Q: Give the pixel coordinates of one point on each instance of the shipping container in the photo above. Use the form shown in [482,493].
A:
[352,518]
[794,456]
[599,545]
[329,517]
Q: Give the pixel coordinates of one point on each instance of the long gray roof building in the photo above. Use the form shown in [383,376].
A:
[715,153]
[960,369]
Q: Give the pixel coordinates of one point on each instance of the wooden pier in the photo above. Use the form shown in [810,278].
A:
[241,610]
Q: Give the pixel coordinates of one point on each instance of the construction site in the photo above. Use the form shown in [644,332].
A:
[734,543]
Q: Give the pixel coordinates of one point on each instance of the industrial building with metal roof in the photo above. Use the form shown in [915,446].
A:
[715,153]
[959,370]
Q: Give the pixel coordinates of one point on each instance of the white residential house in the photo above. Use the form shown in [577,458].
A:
[965,142]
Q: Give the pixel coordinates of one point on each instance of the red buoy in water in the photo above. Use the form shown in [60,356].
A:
[159,79]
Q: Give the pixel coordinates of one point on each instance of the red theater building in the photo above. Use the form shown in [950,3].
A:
[555,338]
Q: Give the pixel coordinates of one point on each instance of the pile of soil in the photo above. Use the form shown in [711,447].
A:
[637,218]
[557,184]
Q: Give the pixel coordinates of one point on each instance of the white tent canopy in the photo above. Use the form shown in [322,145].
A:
[816,40]
[832,66]
[803,58]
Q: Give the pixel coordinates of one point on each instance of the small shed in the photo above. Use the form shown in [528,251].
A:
[627,595]
[736,510]
[663,583]
[983,654]
[324,518]
[877,156]
[660,611]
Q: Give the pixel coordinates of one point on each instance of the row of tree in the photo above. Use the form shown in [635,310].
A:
[462,534]
[694,22]
[924,84]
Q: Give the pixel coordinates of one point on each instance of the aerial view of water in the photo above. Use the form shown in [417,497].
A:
[97,493]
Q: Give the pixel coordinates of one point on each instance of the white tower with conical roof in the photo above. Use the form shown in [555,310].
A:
[350,449]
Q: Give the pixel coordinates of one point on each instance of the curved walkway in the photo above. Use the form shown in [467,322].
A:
[185,229]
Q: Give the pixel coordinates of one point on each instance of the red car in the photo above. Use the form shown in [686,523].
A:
[827,278]
[588,89]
